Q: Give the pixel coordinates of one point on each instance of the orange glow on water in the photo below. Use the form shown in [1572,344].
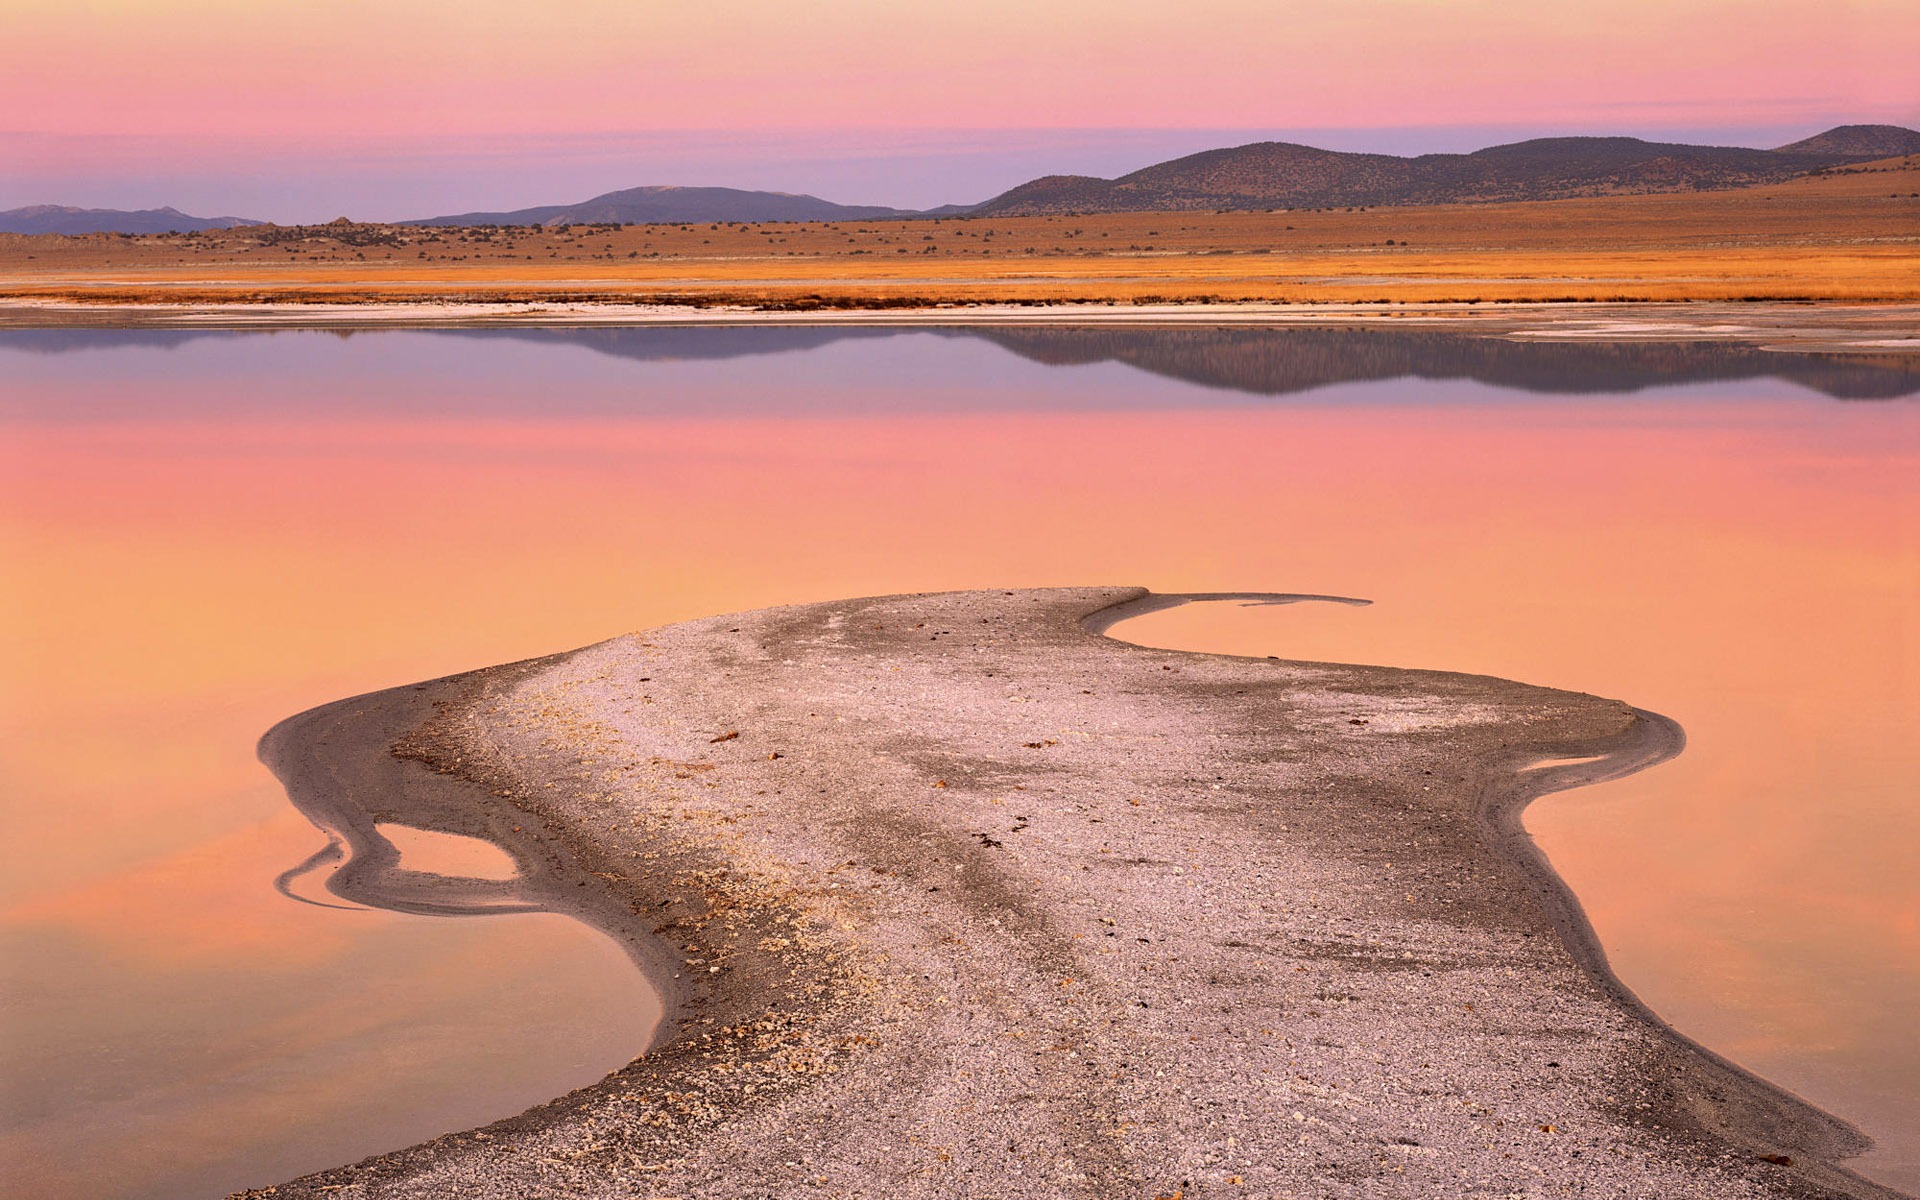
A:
[1745,564]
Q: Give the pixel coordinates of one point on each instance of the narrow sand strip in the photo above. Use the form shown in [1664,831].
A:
[1876,329]
[953,897]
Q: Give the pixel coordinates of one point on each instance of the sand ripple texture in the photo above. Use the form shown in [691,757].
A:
[952,896]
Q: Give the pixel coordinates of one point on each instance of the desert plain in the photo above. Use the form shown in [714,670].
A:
[1847,235]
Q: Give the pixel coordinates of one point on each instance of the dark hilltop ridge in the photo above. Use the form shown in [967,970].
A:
[1283,174]
[1261,175]
[1867,141]
[60,218]
[665,205]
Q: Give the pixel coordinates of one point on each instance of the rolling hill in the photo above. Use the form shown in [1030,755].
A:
[1287,175]
[1262,175]
[1858,141]
[666,205]
[59,218]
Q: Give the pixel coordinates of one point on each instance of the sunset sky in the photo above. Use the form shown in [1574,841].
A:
[395,108]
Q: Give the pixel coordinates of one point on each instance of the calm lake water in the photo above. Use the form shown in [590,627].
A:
[206,532]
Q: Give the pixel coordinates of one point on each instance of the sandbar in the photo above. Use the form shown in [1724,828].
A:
[954,896]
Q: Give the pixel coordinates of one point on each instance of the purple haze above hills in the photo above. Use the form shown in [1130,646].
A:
[1243,175]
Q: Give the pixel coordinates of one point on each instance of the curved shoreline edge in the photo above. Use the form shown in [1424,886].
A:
[466,755]
[1758,1110]
[343,767]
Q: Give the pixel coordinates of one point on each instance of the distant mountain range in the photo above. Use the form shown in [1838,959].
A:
[1285,175]
[1257,176]
[58,218]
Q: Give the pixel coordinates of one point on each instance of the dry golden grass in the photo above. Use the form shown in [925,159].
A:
[1844,236]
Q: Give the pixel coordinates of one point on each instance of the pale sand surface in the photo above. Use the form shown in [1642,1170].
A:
[953,897]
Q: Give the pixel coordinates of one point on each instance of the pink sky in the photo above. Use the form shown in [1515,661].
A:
[108,96]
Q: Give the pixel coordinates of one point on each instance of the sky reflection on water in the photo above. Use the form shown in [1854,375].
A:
[207,533]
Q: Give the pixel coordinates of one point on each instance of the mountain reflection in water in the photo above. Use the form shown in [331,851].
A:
[1255,361]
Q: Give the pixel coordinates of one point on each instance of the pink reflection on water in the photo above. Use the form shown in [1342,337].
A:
[1747,567]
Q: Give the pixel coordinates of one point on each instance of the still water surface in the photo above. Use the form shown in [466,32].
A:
[204,533]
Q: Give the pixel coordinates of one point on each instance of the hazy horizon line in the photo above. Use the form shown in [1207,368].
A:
[396,177]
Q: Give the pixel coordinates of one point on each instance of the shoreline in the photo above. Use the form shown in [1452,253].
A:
[543,739]
[328,757]
[1758,1104]
[1817,327]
